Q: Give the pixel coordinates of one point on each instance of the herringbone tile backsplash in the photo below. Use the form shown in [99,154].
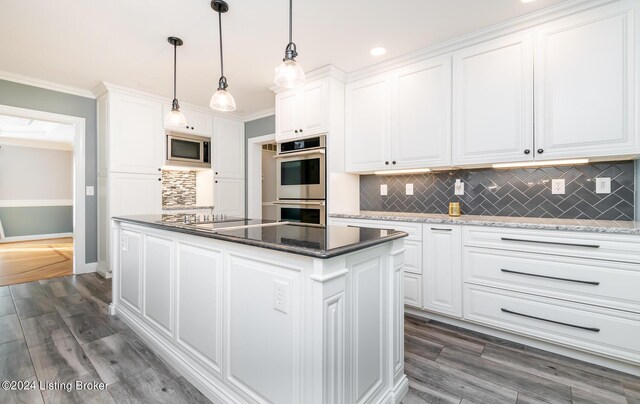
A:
[515,192]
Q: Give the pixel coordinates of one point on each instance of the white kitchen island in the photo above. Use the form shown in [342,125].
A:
[273,314]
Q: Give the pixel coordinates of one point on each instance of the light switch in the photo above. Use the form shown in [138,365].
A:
[90,191]
[459,187]
[603,185]
[383,189]
[557,187]
[409,189]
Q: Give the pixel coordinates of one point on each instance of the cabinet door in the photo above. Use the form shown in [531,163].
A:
[493,102]
[135,194]
[368,125]
[137,138]
[229,196]
[228,147]
[315,111]
[198,123]
[421,115]
[585,87]
[287,119]
[158,282]
[442,269]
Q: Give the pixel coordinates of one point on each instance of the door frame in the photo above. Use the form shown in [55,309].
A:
[79,140]
[254,174]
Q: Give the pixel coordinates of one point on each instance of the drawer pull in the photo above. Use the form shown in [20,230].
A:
[435,228]
[550,242]
[594,329]
[550,277]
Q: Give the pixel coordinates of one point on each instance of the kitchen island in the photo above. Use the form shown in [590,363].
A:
[253,311]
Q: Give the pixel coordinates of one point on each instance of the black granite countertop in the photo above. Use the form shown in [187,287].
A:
[318,242]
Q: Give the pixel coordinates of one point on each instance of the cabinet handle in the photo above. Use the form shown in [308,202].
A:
[187,126]
[159,169]
[393,162]
[594,329]
[550,277]
[296,131]
[216,173]
[386,162]
[550,242]
[216,182]
[300,130]
[192,128]
[159,179]
[435,228]
[540,151]
[527,151]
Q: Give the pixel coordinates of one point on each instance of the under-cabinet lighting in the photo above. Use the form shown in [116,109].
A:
[542,163]
[393,172]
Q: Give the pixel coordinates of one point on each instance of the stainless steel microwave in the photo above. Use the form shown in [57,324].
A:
[188,150]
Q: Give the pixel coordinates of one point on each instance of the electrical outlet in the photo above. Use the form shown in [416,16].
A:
[557,187]
[281,296]
[603,185]
[383,189]
[90,191]
[459,187]
[409,189]
[124,243]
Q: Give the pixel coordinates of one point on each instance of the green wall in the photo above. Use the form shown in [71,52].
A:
[27,221]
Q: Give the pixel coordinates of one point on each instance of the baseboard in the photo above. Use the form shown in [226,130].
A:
[103,269]
[86,268]
[35,237]
[570,352]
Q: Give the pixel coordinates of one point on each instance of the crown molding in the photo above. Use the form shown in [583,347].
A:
[511,26]
[259,114]
[48,85]
[35,144]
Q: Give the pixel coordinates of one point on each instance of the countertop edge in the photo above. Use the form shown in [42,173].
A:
[490,223]
[255,243]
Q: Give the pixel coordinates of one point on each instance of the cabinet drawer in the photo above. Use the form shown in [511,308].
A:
[602,331]
[413,290]
[612,247]
[413,256]
[414,230]
[604,283]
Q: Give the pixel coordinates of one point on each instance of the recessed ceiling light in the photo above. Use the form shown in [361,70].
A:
[527,1]
[378,51]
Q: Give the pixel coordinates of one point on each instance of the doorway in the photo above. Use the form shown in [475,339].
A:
[261,178]
[42,206]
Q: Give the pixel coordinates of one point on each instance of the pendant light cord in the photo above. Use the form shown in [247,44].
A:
[175,62]
[221,56]
[290,21]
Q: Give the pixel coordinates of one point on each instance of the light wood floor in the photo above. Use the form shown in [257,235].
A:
[29,261]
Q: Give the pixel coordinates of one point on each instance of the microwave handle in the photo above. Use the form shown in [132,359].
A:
[301,153]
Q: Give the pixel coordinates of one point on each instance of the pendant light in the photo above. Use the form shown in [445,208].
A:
[222,100]
[175,117]
[289,74]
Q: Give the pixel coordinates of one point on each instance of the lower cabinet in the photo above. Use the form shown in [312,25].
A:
[442,269]
[413,289]
[228,197]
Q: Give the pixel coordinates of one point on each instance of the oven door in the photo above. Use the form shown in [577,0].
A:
[307,212]
[301,175]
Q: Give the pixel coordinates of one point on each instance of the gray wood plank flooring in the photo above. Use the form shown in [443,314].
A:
[59,330]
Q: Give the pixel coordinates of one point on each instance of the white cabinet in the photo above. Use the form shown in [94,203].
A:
[442,269]
[585,77]
[421,115]
[228,196]
[158,282]
[413,290]
[303,112]
[400,120]
[228,148]
[198,123]
[368,124]
[135,194]
[135,133]
[493,101]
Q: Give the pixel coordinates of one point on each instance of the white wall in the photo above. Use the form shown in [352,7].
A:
[28,173]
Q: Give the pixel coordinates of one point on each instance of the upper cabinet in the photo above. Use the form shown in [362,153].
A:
[585,84]
[493,101]
[400,120]
[135,135]
[228,148]
[303,112]
[198,123]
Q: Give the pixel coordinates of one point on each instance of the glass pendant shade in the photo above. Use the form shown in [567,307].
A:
[289,74]
[222,100]
[175,118]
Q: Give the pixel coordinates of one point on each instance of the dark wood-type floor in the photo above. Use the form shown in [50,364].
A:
[28,261]
[59,330]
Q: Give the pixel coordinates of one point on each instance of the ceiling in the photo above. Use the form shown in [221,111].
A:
[82,42]
[32,130]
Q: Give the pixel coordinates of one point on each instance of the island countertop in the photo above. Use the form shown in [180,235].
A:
[312,241]
[581,225]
